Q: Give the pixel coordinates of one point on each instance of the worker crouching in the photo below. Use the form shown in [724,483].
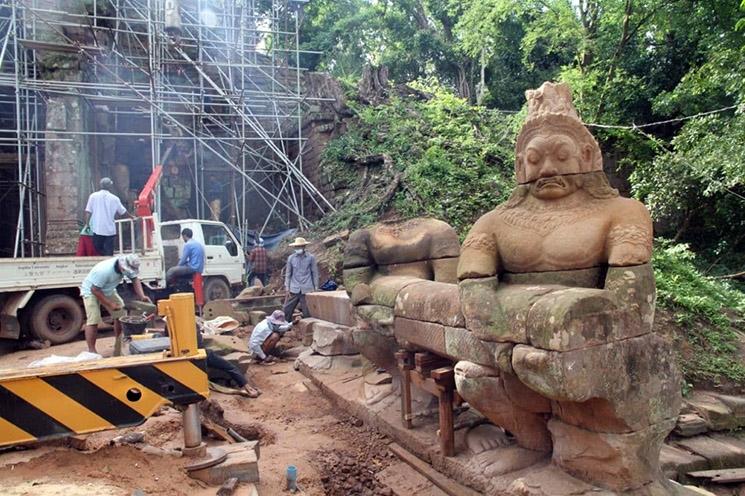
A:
[267,334]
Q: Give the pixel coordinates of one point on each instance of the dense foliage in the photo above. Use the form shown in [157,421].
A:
[661,83]
[453,160]
[708,311]
[628,61]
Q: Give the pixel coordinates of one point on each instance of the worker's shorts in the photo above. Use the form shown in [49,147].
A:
[93,308]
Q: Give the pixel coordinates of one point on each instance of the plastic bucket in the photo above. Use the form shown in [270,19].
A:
[133,324]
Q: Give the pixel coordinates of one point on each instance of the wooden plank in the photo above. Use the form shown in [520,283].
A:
[424,384]
[445,483]
[444,378]
[724,476]
[405,359]
[406,398]
[228,487]
[217,430]
[425,362]
[447,433]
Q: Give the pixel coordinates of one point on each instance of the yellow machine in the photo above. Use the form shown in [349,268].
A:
[110,393]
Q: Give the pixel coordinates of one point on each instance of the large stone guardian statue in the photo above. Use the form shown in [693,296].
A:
[562,270]
[550,323]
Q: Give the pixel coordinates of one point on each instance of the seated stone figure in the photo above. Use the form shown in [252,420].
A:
[382,260]
[550,322]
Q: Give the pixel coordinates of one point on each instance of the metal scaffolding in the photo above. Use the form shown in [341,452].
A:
[217,81]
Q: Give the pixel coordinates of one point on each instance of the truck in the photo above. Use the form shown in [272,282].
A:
[40,296]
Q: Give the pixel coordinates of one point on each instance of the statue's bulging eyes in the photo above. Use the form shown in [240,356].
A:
[533,157]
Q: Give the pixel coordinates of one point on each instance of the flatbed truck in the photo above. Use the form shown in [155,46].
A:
[40,297]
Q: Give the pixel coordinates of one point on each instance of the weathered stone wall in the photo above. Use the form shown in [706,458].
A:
[67,163]
[67,173]
[324,121]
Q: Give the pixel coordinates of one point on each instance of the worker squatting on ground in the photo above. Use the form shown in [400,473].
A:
[301,277]
[267,334]
[191,261]
[259,261]
[100,212]
[99,289]
[216,362]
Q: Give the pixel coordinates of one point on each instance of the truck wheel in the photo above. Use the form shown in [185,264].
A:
[215,289]
[57,318]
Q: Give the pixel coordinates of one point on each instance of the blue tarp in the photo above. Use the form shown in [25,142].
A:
[271,241]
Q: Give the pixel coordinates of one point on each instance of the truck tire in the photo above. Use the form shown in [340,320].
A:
[215,289]
[57,318]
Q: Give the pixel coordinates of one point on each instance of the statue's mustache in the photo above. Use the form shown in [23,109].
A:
[546,181]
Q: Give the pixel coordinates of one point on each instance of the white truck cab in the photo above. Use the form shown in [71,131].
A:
[224,259]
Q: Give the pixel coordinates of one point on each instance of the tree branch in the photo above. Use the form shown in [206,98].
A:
[736,275]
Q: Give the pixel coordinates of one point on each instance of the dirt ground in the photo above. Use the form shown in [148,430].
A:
[334,454]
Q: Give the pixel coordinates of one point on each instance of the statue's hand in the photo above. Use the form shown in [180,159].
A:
[481,308]
[361,294]
[573,318]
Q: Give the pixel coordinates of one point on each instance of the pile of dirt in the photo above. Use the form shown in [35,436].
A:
[353,471]
[212,410]
[122,467]
[161,430]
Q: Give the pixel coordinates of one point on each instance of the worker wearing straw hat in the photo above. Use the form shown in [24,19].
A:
[301,277]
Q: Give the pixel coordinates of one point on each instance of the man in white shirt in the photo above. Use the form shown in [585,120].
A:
[266,335]
[102,208]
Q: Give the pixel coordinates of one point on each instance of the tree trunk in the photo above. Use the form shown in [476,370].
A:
[482,80]
[464,89]
[684,226]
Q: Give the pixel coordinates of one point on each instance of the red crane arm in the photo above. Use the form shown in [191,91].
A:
[146,201]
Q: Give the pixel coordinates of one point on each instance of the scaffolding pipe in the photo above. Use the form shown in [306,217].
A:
[215,84]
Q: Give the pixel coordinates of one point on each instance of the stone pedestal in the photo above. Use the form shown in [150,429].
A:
[331,339]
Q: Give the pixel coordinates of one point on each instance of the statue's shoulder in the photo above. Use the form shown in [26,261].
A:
[491,218]
[628,211]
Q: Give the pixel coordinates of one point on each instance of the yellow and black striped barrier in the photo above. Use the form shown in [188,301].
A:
[119,392]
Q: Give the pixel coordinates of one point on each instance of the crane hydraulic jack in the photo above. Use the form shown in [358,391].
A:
[110,393]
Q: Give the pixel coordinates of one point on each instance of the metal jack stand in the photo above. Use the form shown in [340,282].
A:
[179,313]
[193,445]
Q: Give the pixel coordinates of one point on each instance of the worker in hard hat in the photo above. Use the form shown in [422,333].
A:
[259,260]
[99,289]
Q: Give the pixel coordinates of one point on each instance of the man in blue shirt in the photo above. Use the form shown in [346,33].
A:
[99,289]
[191,261]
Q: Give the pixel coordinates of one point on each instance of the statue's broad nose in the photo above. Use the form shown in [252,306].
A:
[548,169]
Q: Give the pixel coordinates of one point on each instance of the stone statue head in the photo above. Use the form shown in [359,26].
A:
[553,144]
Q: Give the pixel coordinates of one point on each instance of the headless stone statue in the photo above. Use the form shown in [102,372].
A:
[550,323]
[378,263]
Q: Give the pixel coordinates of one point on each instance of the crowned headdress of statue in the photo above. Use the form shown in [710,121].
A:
[550,109]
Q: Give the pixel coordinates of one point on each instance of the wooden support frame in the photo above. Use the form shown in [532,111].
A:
[435,375]
[405,361]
